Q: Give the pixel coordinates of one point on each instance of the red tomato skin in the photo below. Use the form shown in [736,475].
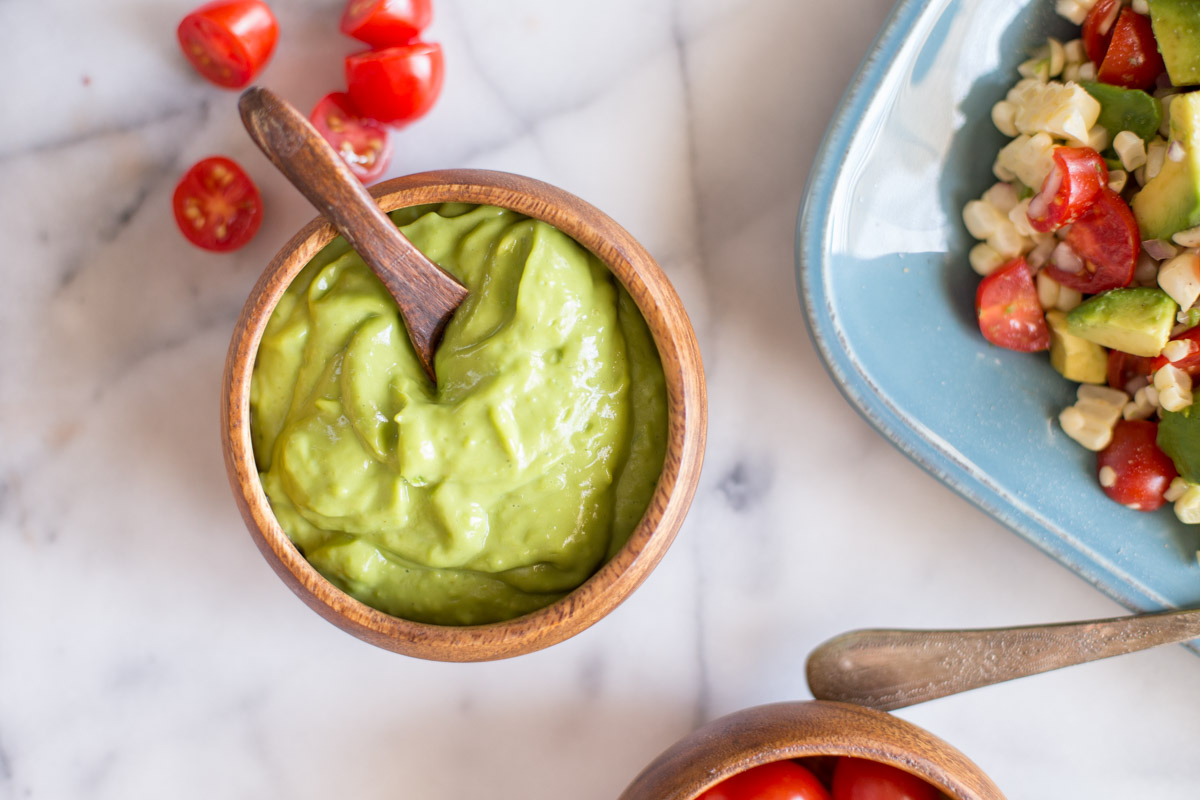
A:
[1107,239]
[353,136]
[1007,307]
[229,41]
[397,85]
[1132,60]
[1079,174]
[386,23]
[778,780]
[1124,367]
[860,779]
[1143,471]
[1098,29]
[234,201]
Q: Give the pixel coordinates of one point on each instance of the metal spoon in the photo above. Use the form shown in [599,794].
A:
[426,294]
[888,669]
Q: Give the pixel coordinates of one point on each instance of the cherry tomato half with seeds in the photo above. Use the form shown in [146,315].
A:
[364,144]
[217,206]
[396,85]
[229,41]
[1078,175]
[860,779]
[779,780]
[1008,310]
[386,23]
[1132,470]
[1132,60]
[1098,29]
[1107,242]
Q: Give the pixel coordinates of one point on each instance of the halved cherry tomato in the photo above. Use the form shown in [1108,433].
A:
[779,780]
[364,144]
[860,779]
[386,23]
[396,85]
[1009,313]
[229,41]
[1078,175]
[1190,363]
[1107,241]
[1098,29]
[217,206]
[1132,60]
[1124,367]
[1140,472]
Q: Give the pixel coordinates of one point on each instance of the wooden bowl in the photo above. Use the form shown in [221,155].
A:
[755,736]
[686,425]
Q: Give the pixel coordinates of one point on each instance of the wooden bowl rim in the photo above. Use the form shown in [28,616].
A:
[779,731]
[687,424]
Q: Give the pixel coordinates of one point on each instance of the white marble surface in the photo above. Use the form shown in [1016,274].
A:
[145,646]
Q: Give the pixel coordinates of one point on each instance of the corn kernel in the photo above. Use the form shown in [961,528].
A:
[1188,238]
[1156,154]
[1180,278]
[1047,291]
[1187,507]
[1004,116]
[1117,178]
[1130,149]
[1001,195]
[1174,388]
[984,259]
[1176,489]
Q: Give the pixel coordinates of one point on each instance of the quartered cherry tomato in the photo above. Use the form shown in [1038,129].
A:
[1132,60]
[1124,367]
[1078,175]
[386,23]
[1107,241]
[1098,29]
[1009,313]
[860,779]
[1190,363]
[779,780]
[217,206]
[396,85]
[1133,471]
[229,41]
[364,144]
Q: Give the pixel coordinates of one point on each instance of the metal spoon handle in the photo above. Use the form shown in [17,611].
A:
[426,295]
[888,669]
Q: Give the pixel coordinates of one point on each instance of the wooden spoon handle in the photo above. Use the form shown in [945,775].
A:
[426,294]
[888,669]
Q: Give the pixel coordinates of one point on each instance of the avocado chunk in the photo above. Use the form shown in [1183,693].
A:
[1136,320]
[1170,201]
[1176,26]
[1076,359]
[1124,109]
[1179,438]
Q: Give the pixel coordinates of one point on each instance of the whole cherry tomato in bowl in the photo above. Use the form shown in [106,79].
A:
[778,780]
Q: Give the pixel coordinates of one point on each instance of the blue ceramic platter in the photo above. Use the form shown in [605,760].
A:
[881,256]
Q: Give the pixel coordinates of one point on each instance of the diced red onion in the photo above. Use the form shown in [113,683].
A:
[1159,250]
[1066,258]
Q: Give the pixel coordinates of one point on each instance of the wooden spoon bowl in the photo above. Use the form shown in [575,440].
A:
[686,424]
[760,735]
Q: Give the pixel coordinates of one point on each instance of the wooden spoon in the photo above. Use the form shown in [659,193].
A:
[426,294]
[888,669]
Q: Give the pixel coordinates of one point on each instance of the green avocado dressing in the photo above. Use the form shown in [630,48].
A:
[507,485]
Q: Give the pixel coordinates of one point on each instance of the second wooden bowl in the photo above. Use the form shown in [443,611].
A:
[686,421]
[760,735]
